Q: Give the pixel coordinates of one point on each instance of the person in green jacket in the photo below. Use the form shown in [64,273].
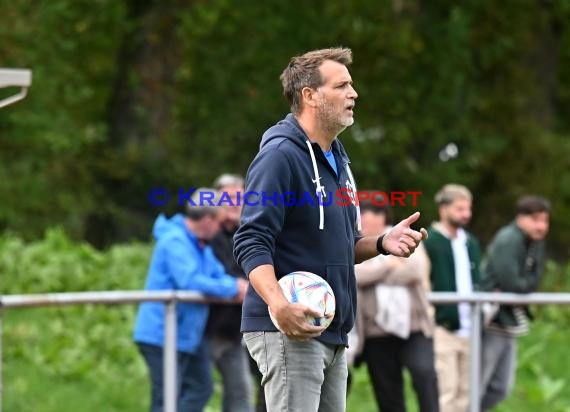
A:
[515,262]
[455,257]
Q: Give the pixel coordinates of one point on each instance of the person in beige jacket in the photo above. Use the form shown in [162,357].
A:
[394,324]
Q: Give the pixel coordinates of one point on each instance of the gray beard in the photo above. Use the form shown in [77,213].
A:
[330,123]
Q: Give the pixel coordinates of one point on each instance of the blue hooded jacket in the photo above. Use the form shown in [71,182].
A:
[180,263]
[291,231]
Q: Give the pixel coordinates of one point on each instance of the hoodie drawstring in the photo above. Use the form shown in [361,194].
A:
[319,189]
[353,183]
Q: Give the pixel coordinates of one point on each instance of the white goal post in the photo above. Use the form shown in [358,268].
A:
[15,78]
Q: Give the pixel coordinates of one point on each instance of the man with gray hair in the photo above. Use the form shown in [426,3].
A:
[183,260]
[223,329]
[304,366]
[455,258]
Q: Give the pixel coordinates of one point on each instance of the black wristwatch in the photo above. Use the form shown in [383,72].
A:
[379,246]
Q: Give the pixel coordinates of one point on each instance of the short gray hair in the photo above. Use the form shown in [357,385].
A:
[228,179]
[204,202]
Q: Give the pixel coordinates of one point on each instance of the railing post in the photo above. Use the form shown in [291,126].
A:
[170,372]
[475,357]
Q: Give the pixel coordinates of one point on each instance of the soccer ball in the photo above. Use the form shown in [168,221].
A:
[310,290]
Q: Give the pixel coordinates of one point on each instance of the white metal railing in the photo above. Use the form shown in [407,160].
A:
[170,298]
[15,78]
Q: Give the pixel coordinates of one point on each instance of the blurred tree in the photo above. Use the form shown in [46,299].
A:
[132,158]
[47,141]
[133,95]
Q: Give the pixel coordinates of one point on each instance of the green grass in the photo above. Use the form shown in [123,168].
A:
[53,369]
[543,371]
[361,395]
[543,374]
[82,358]
[29,388]
[42,375]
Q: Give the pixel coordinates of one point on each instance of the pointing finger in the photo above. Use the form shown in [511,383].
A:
[412,218]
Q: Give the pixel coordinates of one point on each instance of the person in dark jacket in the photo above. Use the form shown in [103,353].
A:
[183,260]
[223,328]
[293,221]
[515,262]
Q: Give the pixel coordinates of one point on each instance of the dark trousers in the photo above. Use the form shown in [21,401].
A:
[387,356]
[194,378]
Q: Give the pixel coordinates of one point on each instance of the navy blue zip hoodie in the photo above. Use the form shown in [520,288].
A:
[283,225]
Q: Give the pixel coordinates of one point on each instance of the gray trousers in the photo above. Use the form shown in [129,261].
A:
[299,376]
[499,362]
[232,361]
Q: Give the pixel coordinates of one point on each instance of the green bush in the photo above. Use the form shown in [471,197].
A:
[81,358]
[55,355]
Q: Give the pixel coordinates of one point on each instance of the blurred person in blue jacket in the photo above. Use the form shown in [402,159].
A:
[183,260]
